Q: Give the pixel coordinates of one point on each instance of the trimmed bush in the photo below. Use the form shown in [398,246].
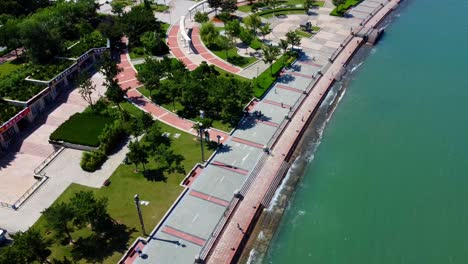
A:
[341,9]
[279,11]
[92,161]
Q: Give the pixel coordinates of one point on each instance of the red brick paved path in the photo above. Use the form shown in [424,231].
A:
[127,79]
[229,241]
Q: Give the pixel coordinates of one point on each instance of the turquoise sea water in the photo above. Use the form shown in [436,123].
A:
[389,182]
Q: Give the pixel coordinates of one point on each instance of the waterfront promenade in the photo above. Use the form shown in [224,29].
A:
[192,227]
[228,244]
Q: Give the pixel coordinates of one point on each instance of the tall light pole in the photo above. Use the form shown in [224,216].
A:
[200,126]
[137,203]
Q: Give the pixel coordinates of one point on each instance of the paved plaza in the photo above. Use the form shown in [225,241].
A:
[17,167]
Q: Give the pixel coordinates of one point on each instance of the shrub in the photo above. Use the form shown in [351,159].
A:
[92,161]
[201,17]
[225,17]
[111,136]
[138,50]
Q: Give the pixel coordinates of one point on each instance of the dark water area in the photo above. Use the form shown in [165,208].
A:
[389,181]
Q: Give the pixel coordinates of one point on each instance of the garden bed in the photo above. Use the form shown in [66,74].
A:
[7,111]
[82,128]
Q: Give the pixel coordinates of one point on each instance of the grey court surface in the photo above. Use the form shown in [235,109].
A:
[238,155]
[274,113]
[195,216]
[180,237]
[284,96]
[219,182]
[255,132]
[169,249]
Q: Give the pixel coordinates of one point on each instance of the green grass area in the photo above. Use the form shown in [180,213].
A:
[125,183]
[221,126]
[341,9]
[7,111]
[82,128]
[159,7]
[281,12]
[131,109]
[268,77]
[8,67]
[245,8]
[303,33]
[234,58]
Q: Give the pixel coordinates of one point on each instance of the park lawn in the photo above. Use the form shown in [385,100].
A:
[82,129]
[283,12]
[245,8]
[125,183]
[234,58]
[8,67]
[303,34]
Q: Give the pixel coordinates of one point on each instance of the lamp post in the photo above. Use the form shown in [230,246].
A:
[219,139]
[137,203]
[200,126]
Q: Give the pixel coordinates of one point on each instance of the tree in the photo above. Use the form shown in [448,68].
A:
[225,44]
[109,68]
[283,45]
[58,217]
[228,6]
[137,155]
[215,4]
[115,93]
[270,54]
[247,37]
[338,2]
[233,28]
[208,33]
[308,4]
[151,74]
[293,38]
[90,210]
[265,30]
[167,160]
[86,89]
[42,42]
[10,35]
[118,7]
[31,245]
[253,22]
[146,121]
[138,21]
[12,255]
[201,17]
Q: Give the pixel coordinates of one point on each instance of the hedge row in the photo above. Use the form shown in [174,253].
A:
[278,10]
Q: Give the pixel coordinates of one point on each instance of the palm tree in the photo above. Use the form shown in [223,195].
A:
[284,45]
[270,54]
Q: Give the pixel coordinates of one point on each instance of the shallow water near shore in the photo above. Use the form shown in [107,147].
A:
[389,180]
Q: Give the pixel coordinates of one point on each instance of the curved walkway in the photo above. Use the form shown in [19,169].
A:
[128,80]
[207,55]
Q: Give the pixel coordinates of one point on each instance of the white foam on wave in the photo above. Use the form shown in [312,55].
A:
[274,201]
[253,255]
[356,67]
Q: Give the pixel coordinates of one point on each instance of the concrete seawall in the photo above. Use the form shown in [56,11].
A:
[230,244]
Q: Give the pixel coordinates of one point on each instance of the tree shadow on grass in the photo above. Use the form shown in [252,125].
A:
[96,248]
[155,175]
